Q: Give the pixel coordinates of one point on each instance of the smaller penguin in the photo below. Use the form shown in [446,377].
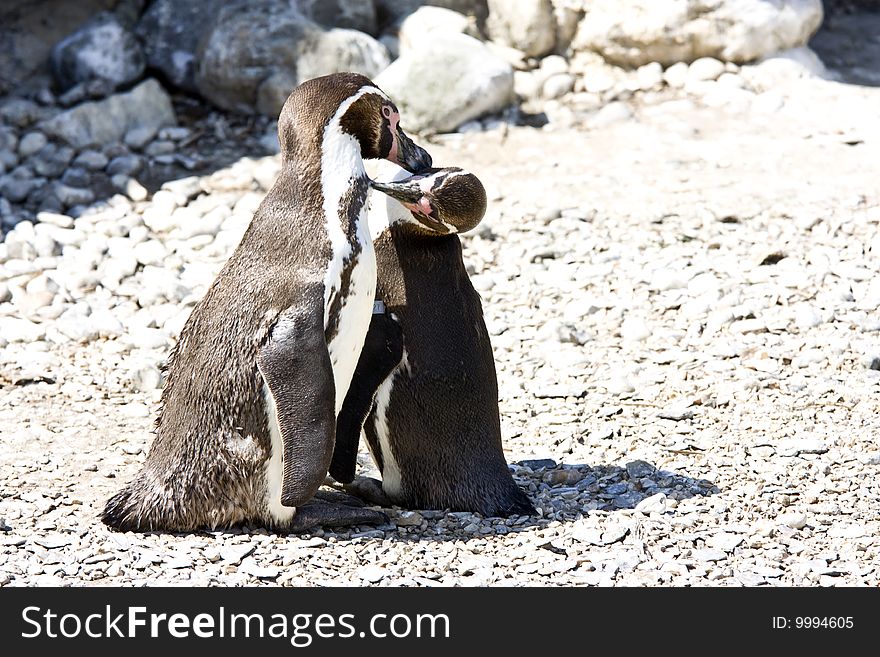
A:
[425,389]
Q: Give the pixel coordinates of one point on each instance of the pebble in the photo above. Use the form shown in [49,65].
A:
[127,165]
[31,143]
[92,160]
[371,574]
[408,519]
[653,504]
[793,520]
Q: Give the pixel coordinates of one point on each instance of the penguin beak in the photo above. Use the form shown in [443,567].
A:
[405,191]
[411,157]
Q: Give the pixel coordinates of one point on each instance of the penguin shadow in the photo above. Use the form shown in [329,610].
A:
[574,489]
[560,493]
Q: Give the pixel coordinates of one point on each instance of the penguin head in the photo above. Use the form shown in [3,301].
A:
[346,104]
[447,200]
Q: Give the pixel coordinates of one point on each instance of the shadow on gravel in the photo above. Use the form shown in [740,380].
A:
[562,493]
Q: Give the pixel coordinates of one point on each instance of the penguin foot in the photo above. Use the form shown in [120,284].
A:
[369,490]
[338,497]
[318,513]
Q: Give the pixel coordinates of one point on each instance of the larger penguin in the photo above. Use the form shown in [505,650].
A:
[247,425]
[426,377]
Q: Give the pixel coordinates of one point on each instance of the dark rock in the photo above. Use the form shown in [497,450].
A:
[171,31]
[100,50]
[351,14]
[125,164]
[20,112]
[627,500]
[28,31]
[92,160]
[53,160]
[76,177]
[639,469]
[538,464]
[615,489]
[15,189]
[71,196]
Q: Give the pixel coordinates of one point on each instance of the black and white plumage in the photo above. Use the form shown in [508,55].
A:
[247,424]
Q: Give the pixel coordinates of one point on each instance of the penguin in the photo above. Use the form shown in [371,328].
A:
[425,390]
[248,413]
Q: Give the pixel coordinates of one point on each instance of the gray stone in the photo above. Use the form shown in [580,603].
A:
[627,500]
[31,143]
[20,112]
[448,81]
[52,160]
[92,160]
[139,137]
[76,177]
[257,53]
[408,519]
[127,165]
[171,31]
[100,50]
[527,25]
[70,196]
[641,31]
[17,189]
[160,147]
[538,464]
[350,14]
[108,120]
[640,469]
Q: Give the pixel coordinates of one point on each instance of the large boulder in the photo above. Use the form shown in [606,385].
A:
[256,53]
[527,25]
[389,12]
[100,50]
[146,106]
[449,80]
[171,31]
[635,32]
[351,14]
[427,21]
[29,29]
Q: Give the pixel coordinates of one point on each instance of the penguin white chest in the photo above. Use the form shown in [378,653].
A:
[353,321]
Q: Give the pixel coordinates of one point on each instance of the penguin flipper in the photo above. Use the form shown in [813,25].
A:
[295,364]
[382,352]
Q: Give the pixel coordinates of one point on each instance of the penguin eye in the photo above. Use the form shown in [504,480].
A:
[386,112]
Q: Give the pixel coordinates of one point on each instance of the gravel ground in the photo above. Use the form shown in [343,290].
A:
[683,299]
